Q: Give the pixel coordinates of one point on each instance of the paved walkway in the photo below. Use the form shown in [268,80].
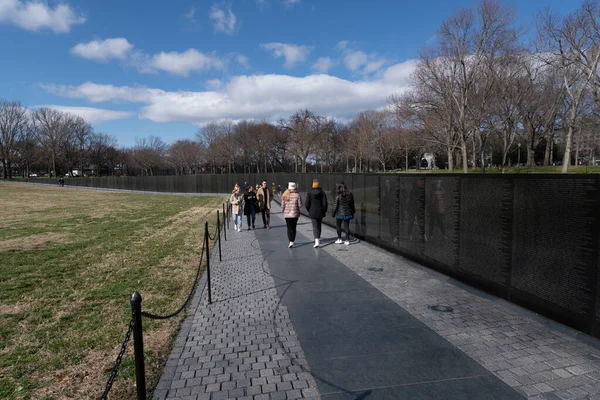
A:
[353,322]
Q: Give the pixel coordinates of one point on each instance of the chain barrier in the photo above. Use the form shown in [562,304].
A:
[153,316]
[214,235]
[118,360]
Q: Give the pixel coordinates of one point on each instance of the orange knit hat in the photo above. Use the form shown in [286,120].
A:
[316,184]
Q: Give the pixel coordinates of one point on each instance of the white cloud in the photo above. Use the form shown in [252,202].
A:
[342,45]
[224,19]
[323,65]
[91,115]
[359,61]
[373,66]
[36,15]
[292,53]
[400,72]
[242,60]
[290,3]
[355,59]
[251,97]
[186,62]
[191,14]
[103,50]
[214,84]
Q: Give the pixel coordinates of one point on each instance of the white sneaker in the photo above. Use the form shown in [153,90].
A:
[347,243]
[316,243]
[339,241]
[291,245]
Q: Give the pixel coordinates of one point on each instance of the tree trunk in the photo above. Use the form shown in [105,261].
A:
[482,159]
[450,160]
[474,165]
[576,161]
[568,145]
[465,161]
[406,159]
[547,152]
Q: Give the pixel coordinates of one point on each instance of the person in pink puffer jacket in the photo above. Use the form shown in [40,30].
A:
[291,203]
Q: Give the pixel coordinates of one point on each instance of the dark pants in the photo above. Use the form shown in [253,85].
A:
[338,226]
[251,217]
[266,216]
[291,228]
[316,223]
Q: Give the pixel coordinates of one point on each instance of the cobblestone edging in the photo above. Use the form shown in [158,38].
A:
[243,345]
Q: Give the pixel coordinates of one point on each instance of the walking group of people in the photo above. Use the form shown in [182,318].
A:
[250,204]
[316,204]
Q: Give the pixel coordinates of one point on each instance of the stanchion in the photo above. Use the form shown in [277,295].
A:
[138,346]
[224,225]
[207,243]
[219,235]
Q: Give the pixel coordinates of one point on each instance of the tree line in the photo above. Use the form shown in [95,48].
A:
[486,93]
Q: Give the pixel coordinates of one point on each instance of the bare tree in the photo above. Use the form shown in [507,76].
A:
[304,129]
[470,42]
[102,152]
[148,154]
[51,130]
[13,125]
[77,142]
[567,45]
[185,155]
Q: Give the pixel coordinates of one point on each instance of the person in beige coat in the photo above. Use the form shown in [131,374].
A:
[236,200]
[291,203]
[265,197]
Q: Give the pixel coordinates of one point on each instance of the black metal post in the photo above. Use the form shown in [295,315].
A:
[219,234]
[138,346]
[207,242]
[224,225]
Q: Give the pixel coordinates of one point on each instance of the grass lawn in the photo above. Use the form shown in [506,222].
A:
[69,261]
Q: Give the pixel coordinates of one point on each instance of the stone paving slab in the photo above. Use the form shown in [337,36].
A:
[394,357]
[243,345]
[540,358]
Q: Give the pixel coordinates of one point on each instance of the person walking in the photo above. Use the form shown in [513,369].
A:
[343,211]
[236,201]
[316,205]
[265,197]
[291,203]
[250,206]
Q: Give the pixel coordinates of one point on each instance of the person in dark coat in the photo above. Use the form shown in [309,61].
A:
[343,211]
[250,206]
[316,205]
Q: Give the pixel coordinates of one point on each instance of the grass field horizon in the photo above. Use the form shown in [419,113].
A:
[69,262]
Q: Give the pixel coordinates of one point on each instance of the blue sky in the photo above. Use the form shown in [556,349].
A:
[141,68]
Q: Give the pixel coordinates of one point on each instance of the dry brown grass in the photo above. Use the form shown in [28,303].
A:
[69,260]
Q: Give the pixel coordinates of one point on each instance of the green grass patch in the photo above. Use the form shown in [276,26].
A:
[69,262]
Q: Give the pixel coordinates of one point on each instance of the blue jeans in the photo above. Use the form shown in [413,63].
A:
[238,220]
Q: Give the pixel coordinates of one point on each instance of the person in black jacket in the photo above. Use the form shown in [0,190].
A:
[250,206]
[343,211]
[316,205]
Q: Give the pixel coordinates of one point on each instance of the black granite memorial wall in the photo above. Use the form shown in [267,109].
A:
[531,239]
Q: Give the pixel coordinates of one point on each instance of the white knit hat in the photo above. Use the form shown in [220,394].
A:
[292,186]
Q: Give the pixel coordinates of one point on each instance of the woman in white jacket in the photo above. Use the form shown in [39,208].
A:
[236,207]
